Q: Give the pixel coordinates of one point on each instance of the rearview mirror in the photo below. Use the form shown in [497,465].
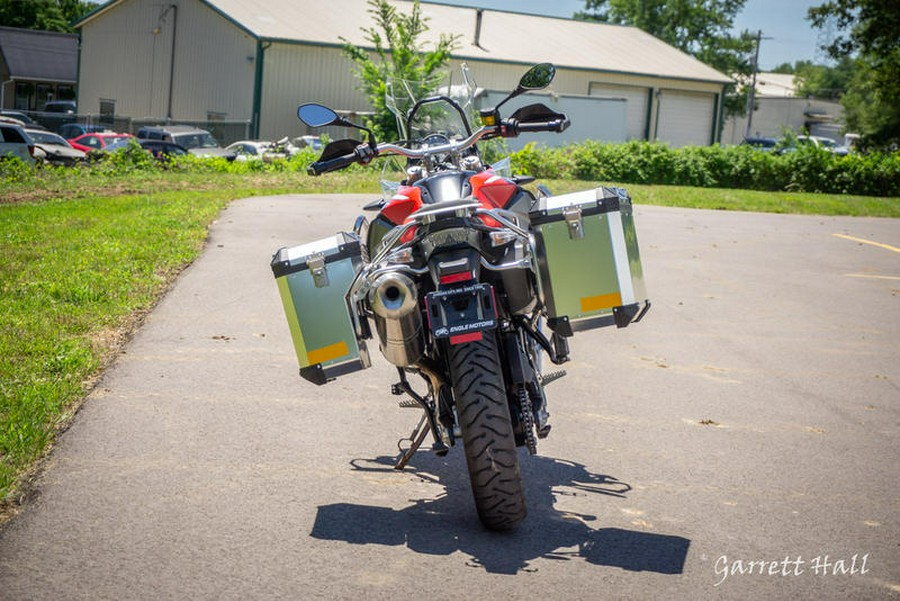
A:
[316,115]
[538,77]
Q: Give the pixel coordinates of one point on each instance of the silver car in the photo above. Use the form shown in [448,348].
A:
[53,149]
[15,142]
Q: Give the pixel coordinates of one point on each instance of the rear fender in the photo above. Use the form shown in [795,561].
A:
[454,266]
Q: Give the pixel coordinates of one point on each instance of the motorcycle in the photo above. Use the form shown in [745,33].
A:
[468,277]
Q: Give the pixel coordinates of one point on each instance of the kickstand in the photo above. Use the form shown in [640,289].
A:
[416,438]
[427,423]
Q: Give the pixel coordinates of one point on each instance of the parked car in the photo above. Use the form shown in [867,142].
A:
[15,142]
[160,149]
[89,142]
[262,150]
[249,149]
[824,143]
[762,143]
[60,106]
[70,131]
[53,149]
[22,117]
[163,149]
[198,141]
[55,113]
[314,142]
[816,142]
[11,121]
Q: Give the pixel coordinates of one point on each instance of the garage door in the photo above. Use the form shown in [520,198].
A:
[685,118]
[636,111]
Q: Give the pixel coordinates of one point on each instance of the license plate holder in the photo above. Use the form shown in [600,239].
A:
[461,312]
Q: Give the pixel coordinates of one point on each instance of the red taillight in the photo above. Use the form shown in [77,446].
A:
[453,278]
[31,150]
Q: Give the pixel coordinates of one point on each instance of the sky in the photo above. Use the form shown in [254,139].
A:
[787,35]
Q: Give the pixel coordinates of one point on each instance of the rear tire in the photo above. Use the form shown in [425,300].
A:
[488,438]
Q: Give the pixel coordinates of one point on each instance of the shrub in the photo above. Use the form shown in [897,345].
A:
[808,169]
[14,170]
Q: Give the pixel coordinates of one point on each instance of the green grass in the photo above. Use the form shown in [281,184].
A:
[726,199]
[85,254]
[73,276]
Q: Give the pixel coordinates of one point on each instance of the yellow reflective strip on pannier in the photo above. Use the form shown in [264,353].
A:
[603,301]
[327,353]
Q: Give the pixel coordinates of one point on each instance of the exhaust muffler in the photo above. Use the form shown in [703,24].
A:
[395,302]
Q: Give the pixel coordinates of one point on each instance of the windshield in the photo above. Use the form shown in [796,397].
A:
[449,114]
[440,117]
[45,137]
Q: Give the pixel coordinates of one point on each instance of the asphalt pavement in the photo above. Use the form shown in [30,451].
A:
[739,443]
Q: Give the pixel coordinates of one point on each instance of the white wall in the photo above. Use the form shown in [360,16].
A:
[592,118]
[773,115]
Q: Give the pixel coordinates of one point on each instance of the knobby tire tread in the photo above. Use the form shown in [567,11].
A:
[488,438]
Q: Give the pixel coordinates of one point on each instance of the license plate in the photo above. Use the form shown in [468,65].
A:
[459,313]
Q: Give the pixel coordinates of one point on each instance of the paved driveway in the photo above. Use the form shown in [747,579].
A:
[741,442]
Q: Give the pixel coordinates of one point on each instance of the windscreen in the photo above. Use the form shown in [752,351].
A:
[440,117]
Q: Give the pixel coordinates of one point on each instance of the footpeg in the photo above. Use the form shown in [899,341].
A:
[552,376]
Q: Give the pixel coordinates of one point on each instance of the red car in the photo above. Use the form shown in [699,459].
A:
[96,141]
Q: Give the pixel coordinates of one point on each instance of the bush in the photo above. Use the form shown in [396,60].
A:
[14,170]
[807,169]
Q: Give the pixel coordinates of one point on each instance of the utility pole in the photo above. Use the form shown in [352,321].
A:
[751,93]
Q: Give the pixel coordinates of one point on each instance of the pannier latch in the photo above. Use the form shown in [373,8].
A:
[574,221]
[316,264]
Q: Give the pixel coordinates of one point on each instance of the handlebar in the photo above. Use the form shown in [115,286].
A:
[554,125]
[507,129]
[320,167]
[361,154]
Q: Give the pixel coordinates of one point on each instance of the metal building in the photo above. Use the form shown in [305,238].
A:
[256,60]
[778,108]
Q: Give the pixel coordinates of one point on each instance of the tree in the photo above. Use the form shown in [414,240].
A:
[820,81]
[823,81]
[44,15]
[701,29]
[395,38]
[784,68]
[869,33]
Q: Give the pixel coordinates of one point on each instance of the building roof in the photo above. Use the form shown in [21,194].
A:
[779,85]
[40,55]
[503,36]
